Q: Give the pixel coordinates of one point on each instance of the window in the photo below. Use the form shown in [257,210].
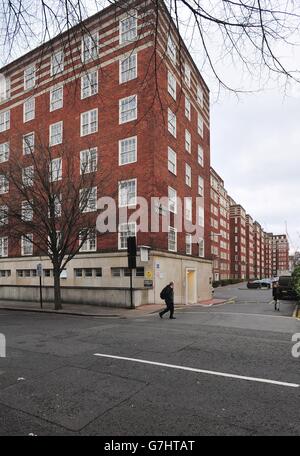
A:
[172,85]
[89,47]
[172,195]
[27,211]
[88,199]
[200,125]
[187,74]
[188,141]
[201,247]
[4,184]
[3,246]
[78,272]
[29,110]
[128,28]
[171,49]
[200,95]
[3,215]
[188,244]
[27,176]
[116,272]
[56,202]
[128,150]
[4,121]
[4,88]
[89,84]
[88,160]
[126,230]
[128,109]
[4,152]
[28,144]
[55,134]
[55,170]
[188,108]
[201,216]
[90,241]
[188,208]
[127,193]
[27,245]
[89,122]
[140,272]
[98,272]
[88,272]
[200,156]
[56,98]
[172,239]
[172,161]
[171,123]
[200,186]
[29,77]
[128,68]
[188,175]
[57,63]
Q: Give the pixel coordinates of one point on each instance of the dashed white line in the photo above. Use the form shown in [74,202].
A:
[201,371]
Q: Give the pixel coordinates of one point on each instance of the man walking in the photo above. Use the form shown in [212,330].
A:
[275,295]
[168,295]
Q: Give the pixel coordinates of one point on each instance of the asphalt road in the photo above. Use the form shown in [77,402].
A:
[51,382]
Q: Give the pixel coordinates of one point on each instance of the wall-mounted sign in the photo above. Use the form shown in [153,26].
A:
[149,275]
[148,283]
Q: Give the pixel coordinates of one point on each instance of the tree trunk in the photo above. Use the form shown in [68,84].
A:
[57,290]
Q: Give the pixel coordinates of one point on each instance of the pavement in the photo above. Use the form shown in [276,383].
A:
[94,310]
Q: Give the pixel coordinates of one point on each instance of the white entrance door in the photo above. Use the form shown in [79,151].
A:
[191,286]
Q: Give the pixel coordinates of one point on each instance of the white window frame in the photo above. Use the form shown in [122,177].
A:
[130,72]
[201,251]
[131,31]
[29,109]
[90,47]
[187,74]
[88,160]
[127,115]
[89,84]
[4,88]
[188,175]
[131,201]
[172,123]
[57,64]
[3,246]
[200,155]
[59,102]
[124,156]
[4,152]
[90,244]
[3,215]
[28,176]
[130,231]
[174,231]
[91,205]
[55,169]
[188,141]
[29,77]
[171,49]
[172,161]
[188,208]
[200,186]
[188,244]
[26,211]
[58,135]
[91,126]
[200,125]
[200,96]
[201,217]
[187,109]
[28,147]
[25,242]
[171,84]
[4,120]
[172,200]
[4,184]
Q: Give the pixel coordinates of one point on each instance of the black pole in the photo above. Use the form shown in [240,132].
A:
[41,293]
[131,291]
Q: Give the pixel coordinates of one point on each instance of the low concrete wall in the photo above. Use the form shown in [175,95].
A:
[110,297]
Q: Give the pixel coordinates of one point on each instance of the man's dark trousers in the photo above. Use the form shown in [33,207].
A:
[169,308]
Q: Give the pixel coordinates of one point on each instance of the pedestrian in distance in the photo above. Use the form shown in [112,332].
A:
[168,295]
[275,296]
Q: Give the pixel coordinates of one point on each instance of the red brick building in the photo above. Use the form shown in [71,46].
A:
[280,254]
[138,110]
[238,241]
[219,227]
[249,247]
[268,255]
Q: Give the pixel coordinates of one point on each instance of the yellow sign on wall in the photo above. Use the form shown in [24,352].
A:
[149,275]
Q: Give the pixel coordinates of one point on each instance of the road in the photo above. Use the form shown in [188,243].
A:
[220,370]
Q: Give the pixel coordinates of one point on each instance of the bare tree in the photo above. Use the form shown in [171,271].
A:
[256,35]
[52,203]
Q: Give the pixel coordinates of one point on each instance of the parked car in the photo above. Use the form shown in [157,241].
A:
[259,283]
[285,289]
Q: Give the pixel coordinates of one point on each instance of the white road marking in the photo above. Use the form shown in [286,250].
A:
[235,313]
[201,371]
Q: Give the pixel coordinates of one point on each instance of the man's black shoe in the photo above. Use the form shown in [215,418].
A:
[172,318]
[160,315]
